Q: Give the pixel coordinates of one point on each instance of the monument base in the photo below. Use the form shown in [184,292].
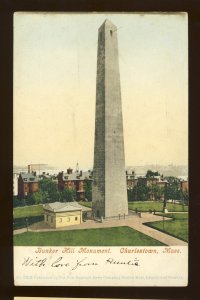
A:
[118,217]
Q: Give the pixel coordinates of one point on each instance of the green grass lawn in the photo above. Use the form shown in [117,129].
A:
[85,203]
[116,236]
[177,227]
[28,211]
[37,210]
[178,216]
[158,206]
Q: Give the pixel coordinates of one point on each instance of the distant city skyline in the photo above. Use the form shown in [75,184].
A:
[166,170]
[55,85]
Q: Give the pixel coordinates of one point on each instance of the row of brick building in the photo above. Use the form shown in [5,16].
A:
[74,180]
[28,183]
[133,181]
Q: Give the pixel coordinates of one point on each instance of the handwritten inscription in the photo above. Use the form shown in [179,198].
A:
[112,261]
[84,263]
[100,265]
[61,263]
[30,262]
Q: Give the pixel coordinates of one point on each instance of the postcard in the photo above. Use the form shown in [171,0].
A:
[100,180]
[50,298]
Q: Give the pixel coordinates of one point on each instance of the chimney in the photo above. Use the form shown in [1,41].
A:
[69,171]
[81,173]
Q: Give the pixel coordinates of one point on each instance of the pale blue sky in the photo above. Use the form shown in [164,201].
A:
[55,85]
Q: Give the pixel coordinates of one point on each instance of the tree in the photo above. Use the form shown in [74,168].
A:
[173,180]
[88,189]
[48,186]
[30,200]
[173,190]
[50,190]
[68,195]
[130,195]
[151,174]
[142,192]
[18,201]
[185,197]
[37,197]
[157,191]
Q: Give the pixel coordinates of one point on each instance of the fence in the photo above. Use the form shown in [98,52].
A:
[24,222]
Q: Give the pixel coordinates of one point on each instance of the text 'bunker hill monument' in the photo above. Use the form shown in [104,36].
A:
[109,193]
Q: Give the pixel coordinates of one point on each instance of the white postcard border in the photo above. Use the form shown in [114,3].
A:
[101,266]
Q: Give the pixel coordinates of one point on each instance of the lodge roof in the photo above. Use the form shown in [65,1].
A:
[65,206]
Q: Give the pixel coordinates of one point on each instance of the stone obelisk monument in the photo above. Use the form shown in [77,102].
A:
[109,192]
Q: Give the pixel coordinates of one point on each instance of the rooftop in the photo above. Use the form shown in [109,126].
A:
[78,176]
[65,206]
[29,177]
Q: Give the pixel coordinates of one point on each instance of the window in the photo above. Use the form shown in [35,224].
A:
[76,218]
[51,219]
[60,220]
[111,32]
[67,219]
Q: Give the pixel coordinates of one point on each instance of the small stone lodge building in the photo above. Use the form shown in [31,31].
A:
[62,214]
